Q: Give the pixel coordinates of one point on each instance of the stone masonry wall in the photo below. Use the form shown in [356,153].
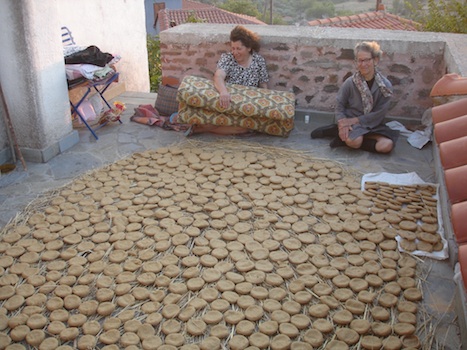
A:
[313,62]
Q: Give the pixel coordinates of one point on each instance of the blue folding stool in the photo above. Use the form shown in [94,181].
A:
[100,86]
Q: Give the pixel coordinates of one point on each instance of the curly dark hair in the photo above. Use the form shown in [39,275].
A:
[247,37]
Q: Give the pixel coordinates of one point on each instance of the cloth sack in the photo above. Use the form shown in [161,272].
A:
[166,101]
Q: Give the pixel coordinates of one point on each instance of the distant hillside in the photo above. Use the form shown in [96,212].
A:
[294,11]
[356,6]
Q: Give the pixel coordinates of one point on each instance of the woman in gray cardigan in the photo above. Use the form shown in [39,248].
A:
[362,104]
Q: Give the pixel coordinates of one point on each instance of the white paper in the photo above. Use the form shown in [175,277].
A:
[394,125]
[417,139]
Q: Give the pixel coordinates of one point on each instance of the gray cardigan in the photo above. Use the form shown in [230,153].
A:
[349,105]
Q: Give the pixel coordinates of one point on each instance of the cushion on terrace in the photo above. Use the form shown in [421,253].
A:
[263,110]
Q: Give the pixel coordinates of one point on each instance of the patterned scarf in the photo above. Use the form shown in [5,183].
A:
[365,93]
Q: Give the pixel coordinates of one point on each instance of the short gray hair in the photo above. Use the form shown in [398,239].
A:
[369,46]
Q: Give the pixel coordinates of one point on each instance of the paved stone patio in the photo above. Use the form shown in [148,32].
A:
[116,142]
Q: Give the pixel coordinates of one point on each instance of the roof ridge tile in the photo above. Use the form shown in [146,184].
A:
[210,14]
[372,19]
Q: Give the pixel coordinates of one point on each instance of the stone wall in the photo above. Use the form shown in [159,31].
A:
[313,62]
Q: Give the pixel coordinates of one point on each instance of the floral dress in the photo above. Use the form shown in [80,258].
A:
[253,75]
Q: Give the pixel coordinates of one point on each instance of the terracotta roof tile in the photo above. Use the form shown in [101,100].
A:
[370,20]
[209,14]
[194,5]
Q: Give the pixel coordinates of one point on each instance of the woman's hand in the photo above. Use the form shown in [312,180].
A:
[345,126]
[219,83]
[344,132]
[224,99]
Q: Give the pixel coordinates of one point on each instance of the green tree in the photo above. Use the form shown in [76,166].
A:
[301,6]
[406,8]
[321,10]
[344,13]
[277,19]
[192,18]
[154,61]
[210,2]
[244,7]
[448,16]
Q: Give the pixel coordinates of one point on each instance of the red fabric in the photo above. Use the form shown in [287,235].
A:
[148,115]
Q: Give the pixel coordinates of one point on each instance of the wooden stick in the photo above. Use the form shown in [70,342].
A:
[11,130]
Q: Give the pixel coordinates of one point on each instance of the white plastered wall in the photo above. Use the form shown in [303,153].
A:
[32,70]
[31,73]
[116,27]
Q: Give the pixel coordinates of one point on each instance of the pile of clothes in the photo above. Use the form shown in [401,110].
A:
[88,63]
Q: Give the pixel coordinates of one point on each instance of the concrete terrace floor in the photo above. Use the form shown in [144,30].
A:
[19,188]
